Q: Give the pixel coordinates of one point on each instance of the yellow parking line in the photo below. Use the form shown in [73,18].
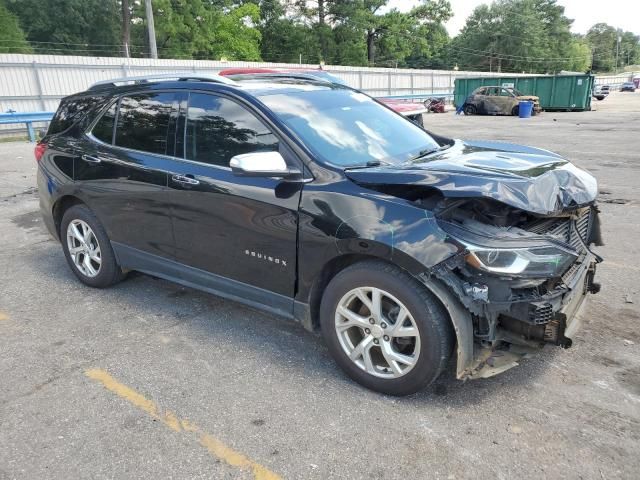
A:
[3,316]
[214,446]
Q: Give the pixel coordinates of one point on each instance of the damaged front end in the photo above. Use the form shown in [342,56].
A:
[522,277]
[523,220]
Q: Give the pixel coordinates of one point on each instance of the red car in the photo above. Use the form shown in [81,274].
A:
[412,110]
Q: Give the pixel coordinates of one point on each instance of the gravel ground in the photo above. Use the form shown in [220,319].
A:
[192,386]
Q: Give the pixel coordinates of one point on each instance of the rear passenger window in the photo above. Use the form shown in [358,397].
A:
[70,111]
[103,129]
[144,122]
[218,129]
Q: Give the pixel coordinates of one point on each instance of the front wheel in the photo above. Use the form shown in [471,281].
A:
[385,329]
[470,110]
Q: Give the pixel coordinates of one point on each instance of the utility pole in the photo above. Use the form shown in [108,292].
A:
[618,50]
[151,29]
[126,27]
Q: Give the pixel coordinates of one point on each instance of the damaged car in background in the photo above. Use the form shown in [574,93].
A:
[498,101]
[312,201]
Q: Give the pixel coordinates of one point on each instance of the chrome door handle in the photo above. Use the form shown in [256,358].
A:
[185,179]
[90,159]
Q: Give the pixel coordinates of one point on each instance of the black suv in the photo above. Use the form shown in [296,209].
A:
[313,201]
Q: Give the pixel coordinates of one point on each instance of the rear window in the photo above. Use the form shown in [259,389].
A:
[144,120]
[70,111]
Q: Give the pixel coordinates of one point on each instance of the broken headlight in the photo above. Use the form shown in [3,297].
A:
[545,261]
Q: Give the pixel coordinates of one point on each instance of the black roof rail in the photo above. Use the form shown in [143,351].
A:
[282,75]
[182,77]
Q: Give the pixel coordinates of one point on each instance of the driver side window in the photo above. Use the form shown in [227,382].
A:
[218,129]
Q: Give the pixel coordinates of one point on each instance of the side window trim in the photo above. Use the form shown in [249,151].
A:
[89,129]
[115,121]
[184,117]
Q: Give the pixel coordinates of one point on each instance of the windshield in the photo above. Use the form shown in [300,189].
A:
[347,128]
[517,93]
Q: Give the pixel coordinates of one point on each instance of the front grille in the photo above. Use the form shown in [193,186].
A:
[570,230]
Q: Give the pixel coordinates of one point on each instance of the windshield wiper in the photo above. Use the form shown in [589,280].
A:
[369,164]
[427,151]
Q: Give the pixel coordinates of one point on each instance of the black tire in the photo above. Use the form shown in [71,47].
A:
[109,271]
[432,321]
[470,110]
[515,111]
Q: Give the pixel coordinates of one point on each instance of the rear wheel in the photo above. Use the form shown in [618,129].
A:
[88,249]
[470,110]
[385,330]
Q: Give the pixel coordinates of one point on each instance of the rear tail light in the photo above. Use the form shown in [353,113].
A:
[41,147]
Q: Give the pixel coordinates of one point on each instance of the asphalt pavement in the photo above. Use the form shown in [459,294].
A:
[151,380]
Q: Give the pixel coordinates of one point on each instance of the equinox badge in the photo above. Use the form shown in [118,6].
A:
[268,258]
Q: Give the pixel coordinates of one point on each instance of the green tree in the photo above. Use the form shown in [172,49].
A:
[520,35]
[12,38]
[389,36]
[603,40]
[284,39]
[629,49]
[84,27]
[206,29]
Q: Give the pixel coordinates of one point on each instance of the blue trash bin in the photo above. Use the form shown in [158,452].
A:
[525,108]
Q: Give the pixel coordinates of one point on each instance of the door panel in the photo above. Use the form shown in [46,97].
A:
[242,228]
[492,101]
[127,188]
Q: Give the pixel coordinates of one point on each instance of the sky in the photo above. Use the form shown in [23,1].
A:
[623,14]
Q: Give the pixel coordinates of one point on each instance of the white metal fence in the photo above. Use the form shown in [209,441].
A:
[30,83]
[615,81]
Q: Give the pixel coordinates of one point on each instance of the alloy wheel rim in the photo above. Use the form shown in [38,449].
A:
[377,332]
[84,248]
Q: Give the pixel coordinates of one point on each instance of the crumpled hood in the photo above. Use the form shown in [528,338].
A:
[531,179]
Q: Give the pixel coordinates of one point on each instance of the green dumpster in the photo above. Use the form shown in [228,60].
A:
[556,92]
